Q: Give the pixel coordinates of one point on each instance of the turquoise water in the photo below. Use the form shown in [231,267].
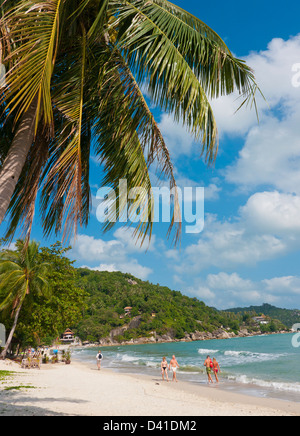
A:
[260,365]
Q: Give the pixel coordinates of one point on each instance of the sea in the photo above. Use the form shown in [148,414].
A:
[261,366]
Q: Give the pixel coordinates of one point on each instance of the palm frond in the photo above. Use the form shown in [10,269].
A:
[66,189]
[12,283]
[34,27]
[126,161]
[136,125]
[183,61]
[153,56]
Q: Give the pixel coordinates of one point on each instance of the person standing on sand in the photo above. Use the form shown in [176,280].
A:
[209,366]
[174,365]
[99,357]
[164,369]
[216,369]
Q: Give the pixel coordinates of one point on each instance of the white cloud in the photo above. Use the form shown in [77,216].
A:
[271,153]
[226,291]
[127,238]
[89,249]
[266,228]
[102,267]
[270,156]
[203,293]
[227,245]
[273,212]
[228,281]
[273,70]
[178,139]
[229,119]
[132,267]
[113,255]
[211,191]
[283,285]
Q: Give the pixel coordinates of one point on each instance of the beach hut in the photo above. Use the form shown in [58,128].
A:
[68,336]
[261,320]
[127,311]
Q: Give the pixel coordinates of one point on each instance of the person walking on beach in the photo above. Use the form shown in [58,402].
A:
[99,357]
[216,369]
[174,365]
[164,369]
[209,366]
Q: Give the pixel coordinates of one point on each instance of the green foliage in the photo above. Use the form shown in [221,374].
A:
[22,277]
[4,374]
[44,317]
[22,273]
[175,313]
[17,388]
[285,317]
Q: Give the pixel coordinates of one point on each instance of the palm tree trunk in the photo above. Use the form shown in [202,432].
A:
[9,339]
[15,160]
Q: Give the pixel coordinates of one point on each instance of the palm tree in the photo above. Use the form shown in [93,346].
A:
[76,72]
[21,274]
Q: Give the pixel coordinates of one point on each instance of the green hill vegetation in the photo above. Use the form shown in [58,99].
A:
[159,309]
[286,316]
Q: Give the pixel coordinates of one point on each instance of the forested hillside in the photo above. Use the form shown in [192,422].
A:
[286,316]
[158,309]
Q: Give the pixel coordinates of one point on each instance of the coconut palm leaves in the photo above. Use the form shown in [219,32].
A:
[124,109]
[66,176]
[34,32]
[85,63]
[185,63]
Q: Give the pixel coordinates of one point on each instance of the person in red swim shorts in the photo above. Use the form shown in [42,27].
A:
[216,369]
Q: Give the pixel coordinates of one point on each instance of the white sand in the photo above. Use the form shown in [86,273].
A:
[81,390]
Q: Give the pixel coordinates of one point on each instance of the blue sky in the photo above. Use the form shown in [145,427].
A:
[248,252]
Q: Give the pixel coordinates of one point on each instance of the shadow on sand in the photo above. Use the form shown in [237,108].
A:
[12,404]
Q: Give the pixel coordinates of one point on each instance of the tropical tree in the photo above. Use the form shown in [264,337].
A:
[21,274]
[46,316]
[76,71]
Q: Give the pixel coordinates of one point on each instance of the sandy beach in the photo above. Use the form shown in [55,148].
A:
[82,390]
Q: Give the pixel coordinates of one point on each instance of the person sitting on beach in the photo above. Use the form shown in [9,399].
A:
[164,369]
[99,357]
[216,369]
[174,365]
[209,366]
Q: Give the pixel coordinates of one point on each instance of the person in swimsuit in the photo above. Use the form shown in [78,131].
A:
[216,369]
[164,369]
[209,366]
[174,365]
